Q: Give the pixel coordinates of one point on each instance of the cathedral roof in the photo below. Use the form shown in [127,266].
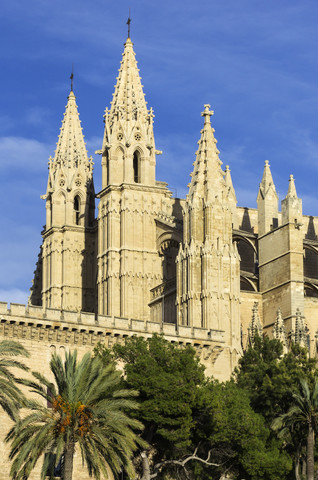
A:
[71,149]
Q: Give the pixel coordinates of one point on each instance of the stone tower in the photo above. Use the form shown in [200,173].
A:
[69,252]
[281,252]
[208,265]
[128,262]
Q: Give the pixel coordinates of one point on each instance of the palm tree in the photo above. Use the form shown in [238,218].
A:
[87,407]
[11,397]
[304,411]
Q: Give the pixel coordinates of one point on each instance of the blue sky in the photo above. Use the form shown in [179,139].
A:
[254,61]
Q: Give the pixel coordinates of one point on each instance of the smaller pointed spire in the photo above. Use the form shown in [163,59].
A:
[267,203]
[71,150]
[292,206]
[300,329]
[255,327]
[228,181]
[279,330]
[291,188]
[267,182]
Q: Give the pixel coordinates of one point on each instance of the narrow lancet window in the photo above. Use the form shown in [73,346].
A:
[77,209]
[136,166]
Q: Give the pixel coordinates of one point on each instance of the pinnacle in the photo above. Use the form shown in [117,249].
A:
[267,180]
[228,181]
[207,176]
[128,99]
[71,150]
[291,188]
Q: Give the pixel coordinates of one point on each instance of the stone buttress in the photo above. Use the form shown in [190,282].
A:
[208,264]
[281,252]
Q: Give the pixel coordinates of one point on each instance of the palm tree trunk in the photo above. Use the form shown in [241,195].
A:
[68,461]
[310,452]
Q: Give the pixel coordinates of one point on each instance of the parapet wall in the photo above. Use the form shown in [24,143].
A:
[52,326]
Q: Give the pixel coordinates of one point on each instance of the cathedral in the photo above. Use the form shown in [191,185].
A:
[202,271]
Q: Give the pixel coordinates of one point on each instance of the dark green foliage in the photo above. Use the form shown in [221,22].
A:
[237,436]
[269,376]
[167,378]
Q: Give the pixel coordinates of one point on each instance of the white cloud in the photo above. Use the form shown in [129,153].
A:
[14,295]
[23,153]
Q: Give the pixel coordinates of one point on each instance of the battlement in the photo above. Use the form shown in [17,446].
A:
[79,328]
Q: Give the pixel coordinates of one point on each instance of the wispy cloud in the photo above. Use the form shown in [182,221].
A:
[14,295]
[23,153]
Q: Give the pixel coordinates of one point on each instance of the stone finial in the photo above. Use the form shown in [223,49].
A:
[267,182]
[291,188]
[279,330]
[300,329]
[255,327]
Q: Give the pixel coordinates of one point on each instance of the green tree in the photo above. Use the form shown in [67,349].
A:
[167,378]
[269,376]
[88,407]
[236,436]
[304,411]
[11,397]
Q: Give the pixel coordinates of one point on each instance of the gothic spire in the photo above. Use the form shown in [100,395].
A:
[300,329]
[255,326]
[267,182]
[207,180]
[279,330]
[291,188]
[129,99]
[71,150]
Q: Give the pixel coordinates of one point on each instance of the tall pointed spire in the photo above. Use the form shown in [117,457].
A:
[129,100]
[207,177]
[71,150]
[128,129]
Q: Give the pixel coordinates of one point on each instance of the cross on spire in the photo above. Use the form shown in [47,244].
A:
[128,23]
[207,113]
[72,77]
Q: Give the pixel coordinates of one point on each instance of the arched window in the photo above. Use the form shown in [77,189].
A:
[136,166]
[77,209]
